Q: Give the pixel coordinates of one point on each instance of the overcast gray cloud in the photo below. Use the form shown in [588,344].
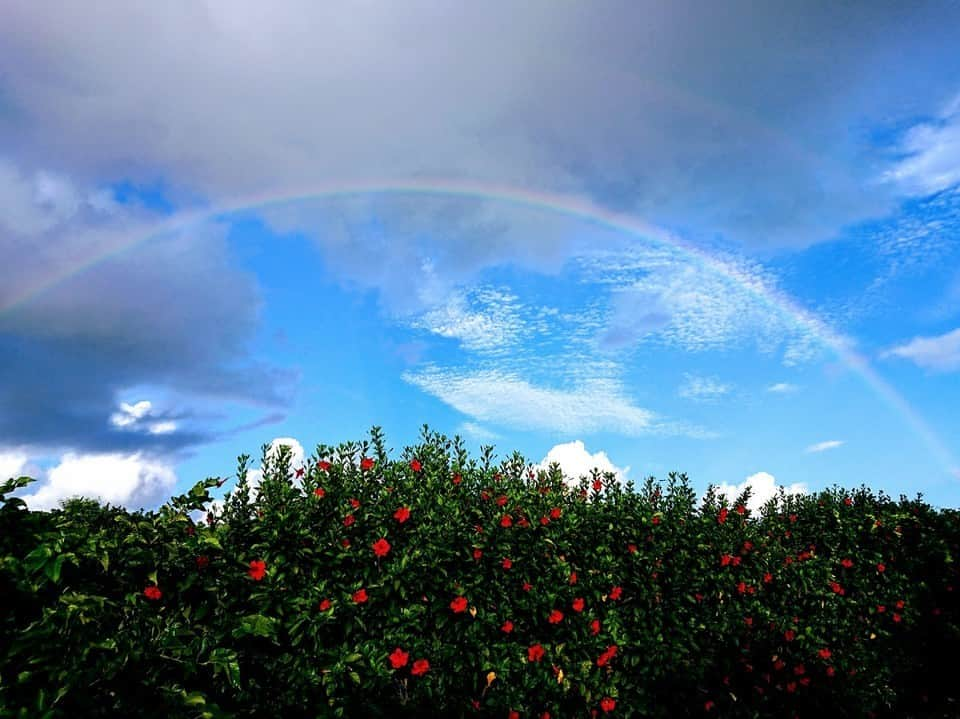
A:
[176,314]
[624,101]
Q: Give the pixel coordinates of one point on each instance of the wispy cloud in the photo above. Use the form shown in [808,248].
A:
[500,398]
[478,432]
[702,389]
[932,150]
[487,320]
[941,354]
[663,296]
[824,446]
[783,388]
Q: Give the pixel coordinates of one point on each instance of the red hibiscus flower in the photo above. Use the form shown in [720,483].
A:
[360,596]
[345,543]
[897,618]
[847,501]
[203,561]
[767,578]
[349,520]
[708,705]
[399,658]
[573,578]
[608,705]
[742,588]
[741,510]
[632,548]
[597,485]
[544,521]
[595,627]
[507,563]
[507,627]
[355,503]
[556,616]
[477,553]
[535,653]
[381,547]
[607,655]
[501,500]
[847,562]
[799,670]
[459,605]
[825,653]
[779,664]
[789,635]
[152,592]
[555,513]
[831,671]
[722,517]
[791,687]
[736,561]
[725,559]
[656,520]
[513,714]
[506,521]
[420,667]
[324,465]
[257,570]
[366,463]
[881,567]
[402,515]
[457,478]
[748,621]
[527,586]
[616,593]
[578,604]
[319,492]
[900,604]
[324,605]
[415,465]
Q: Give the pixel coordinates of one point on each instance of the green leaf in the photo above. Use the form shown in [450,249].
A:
[256,625]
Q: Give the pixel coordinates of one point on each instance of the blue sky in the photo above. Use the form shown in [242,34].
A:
[776,301]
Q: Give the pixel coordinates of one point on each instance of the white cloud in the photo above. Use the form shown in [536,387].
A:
[782,388]
[12,464]
[824,446]
[493,328]
[498,397]
[297,455]
[163,427]
[702,389]
[933,154]
[576,461]
[478,432]
[940,353]
[129,480]
[130,414]
[763,487]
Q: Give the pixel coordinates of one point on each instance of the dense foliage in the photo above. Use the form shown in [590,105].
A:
[441,585]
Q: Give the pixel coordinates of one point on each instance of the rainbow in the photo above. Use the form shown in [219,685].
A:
[570,206]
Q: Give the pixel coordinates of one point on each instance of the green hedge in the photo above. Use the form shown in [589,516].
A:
[437,584]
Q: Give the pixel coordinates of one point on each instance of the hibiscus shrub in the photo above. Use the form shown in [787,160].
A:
[438,584]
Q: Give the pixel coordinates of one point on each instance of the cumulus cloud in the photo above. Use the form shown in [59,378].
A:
[133,481]
[576,461]
[824,446]
[12,464]
[297,457]
[763,488]
[941,353]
